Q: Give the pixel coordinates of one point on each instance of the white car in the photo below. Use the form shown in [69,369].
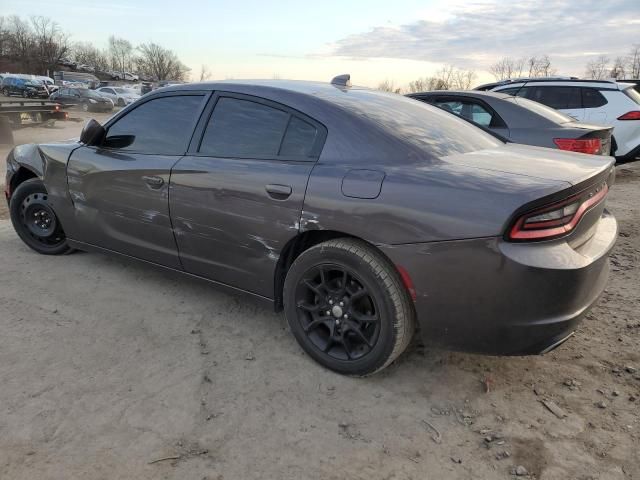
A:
[85,68]
[120,96]
[595,101]
[131,77]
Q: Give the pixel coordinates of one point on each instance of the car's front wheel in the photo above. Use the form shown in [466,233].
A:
[347,307]
[35,221]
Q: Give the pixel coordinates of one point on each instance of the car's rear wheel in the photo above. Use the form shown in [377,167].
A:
[347,307]
[35,221]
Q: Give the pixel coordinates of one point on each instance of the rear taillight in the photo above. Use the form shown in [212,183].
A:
[591,146]
[558,219]
[634,115]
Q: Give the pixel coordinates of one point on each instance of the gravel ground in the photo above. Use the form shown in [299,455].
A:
[113,370]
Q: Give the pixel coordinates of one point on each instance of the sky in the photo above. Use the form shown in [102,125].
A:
[373,40]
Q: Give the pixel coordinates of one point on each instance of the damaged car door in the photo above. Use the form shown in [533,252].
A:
[237,196]
[120,187]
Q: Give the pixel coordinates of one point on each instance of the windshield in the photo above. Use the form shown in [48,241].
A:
[542,110]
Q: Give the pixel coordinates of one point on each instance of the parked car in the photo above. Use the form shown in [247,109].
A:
[23,87]
[356,211]
[85,99]
[85,68]
[67,63]
[120,96]
[130,77]
[598,101]
[522,121]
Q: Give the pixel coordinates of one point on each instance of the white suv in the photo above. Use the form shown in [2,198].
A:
[595,101]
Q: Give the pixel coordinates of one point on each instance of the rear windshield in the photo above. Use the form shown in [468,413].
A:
[427,127]
[633,94]
[542,110]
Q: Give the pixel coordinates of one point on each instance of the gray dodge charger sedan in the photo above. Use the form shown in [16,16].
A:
[363,215]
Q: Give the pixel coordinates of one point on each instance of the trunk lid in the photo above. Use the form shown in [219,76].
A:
[545,163]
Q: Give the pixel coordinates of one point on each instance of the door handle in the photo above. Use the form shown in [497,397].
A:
[278,192]
[153,181]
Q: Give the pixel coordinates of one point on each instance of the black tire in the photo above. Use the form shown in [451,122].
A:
[120,102]
[339,326]
[34,220]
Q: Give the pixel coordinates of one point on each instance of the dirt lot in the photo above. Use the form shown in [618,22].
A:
[112,370]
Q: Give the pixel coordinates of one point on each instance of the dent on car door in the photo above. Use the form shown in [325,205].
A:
[120,188]
[236,198]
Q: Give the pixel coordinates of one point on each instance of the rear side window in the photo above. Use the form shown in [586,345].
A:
[592,98]
[561,98]
[242,128]
[161,126]
[467,109]
[510,91]
[299,138]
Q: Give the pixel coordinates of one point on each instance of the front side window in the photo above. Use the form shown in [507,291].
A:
[243,129]
[161,126]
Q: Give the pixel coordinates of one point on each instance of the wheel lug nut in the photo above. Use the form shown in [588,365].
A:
[330,302]
[346,316]
[328,312]
[342,304]
[337,321]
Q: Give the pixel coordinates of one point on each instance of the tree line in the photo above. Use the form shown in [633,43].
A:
[447,78]
[38,45]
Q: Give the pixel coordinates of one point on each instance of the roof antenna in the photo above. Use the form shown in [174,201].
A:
[342,80]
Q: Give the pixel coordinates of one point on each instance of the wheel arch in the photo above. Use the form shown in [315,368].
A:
[304,241]
[21,175]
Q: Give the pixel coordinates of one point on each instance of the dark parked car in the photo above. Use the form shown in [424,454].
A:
[358,212]
[23,87]
[522,121]
[87,100]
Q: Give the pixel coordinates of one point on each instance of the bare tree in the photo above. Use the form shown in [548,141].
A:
[51,44]
[598,69]
[87,53]
[540,66]
[389,86]
[205,73]
[633,62]
[618,69]
[507,68]
[160,62]
[121,52]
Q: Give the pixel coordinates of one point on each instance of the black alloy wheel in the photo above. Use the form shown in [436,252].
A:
[337,312]
[347,306]
[35,221]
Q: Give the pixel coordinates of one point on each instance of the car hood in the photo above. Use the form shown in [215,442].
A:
[538,162]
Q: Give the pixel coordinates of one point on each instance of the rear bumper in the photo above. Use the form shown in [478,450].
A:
[494,297]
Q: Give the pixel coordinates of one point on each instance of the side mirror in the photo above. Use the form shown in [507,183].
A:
[118,141]
[92,133]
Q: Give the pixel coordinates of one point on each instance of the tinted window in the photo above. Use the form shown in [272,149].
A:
[242,128]
[556,97]
[592,98]
[162,126]
[299,138]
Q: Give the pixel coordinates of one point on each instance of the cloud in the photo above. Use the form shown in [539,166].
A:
[473,34]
